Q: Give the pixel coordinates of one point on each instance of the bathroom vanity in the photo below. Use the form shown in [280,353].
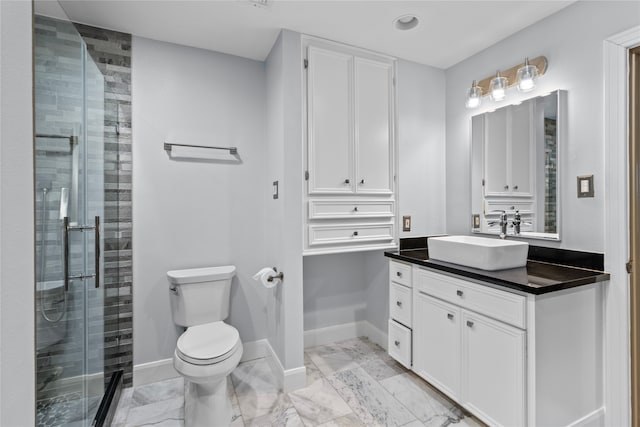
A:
[517,347]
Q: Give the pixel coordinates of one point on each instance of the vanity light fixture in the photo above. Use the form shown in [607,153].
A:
[406,22]
[526,77]
[498,87]
[523,75]
[474,96]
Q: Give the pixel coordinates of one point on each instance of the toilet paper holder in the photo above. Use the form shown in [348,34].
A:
[280,276]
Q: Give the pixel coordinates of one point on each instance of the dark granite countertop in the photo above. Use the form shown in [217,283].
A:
[536,278]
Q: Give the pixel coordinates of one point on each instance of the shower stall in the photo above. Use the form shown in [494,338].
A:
[70,165]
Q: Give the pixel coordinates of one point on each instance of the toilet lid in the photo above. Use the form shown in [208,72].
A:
[209,343]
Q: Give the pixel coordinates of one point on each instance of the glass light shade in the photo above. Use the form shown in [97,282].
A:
[498,87]
[474,96]
[526,77]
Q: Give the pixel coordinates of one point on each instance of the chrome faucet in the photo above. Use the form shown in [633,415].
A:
[503,225]
[517,220]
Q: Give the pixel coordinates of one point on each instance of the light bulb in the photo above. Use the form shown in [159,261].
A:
[474,96]
[498,87]
[526,77]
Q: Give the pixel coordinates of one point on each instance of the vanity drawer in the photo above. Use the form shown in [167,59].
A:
[400,273]
[356,233]
[339,209]
[500,305]
[400,343]
[400,303]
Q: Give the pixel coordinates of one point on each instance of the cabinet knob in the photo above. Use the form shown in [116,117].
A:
[459,293]
[397,343]
[449,315]
[506,187]
[347,181]
[355,233]
[362,181]
[399,303]
[399,273]
[515,187]
[469,323]
[355,209]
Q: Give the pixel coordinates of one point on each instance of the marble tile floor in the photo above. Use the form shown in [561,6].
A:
[349,383]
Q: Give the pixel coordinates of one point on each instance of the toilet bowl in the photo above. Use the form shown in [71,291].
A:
[209,350]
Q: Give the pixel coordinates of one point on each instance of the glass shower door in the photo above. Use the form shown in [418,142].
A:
[69,194]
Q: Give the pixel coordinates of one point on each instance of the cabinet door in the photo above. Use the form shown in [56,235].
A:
[495,153]
[330,122]
[436,342]
[374,133]
[521,154]
[493,370]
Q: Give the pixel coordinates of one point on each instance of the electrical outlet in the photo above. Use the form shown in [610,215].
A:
[406,223]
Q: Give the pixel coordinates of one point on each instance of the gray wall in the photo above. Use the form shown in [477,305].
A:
[17,368]
[189,213]
[572,42]
[283,221]
[421,147]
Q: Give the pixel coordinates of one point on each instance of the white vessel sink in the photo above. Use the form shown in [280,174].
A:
[479,252]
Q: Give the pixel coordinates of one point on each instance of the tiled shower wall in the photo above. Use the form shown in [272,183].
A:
[59,111]
[111,51]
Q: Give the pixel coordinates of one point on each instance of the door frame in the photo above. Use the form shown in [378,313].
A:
[616,146]
[634,212]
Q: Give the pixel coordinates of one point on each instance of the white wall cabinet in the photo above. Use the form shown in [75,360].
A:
[510,358]
[350,148]
[508,151]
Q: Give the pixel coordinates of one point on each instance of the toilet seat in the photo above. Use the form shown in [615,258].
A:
[208,344]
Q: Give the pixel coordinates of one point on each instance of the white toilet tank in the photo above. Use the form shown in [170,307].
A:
[200,295]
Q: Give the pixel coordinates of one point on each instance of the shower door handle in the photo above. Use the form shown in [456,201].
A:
[65,242]
[97,250]
[65,249]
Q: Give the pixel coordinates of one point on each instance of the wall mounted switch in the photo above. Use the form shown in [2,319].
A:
[585,186]
[475,222]
[406,223]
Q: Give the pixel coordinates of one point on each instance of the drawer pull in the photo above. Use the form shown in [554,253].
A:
[459,293]
[362,181]
[346,181]
[506,187]
[449,315]
[355,209]
[515,187]
[397,343]
[355,233]
[398,273]
[470,323]
[399,303]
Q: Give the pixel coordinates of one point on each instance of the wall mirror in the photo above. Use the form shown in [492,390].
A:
[515,167]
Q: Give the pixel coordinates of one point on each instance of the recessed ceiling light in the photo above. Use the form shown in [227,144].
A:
[406,22]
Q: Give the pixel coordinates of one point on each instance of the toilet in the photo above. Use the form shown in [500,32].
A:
[209,350]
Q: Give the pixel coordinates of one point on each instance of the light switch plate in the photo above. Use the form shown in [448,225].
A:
[585,186]
[475,221]
[406,223]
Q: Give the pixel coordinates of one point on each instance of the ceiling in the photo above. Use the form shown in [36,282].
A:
[447,33]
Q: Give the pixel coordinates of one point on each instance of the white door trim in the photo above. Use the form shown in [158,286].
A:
[616,141]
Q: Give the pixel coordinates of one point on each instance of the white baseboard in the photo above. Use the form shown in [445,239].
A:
[254,350]
[593,419]
[160,370]
[289,379]
[151,372]
[345,331]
